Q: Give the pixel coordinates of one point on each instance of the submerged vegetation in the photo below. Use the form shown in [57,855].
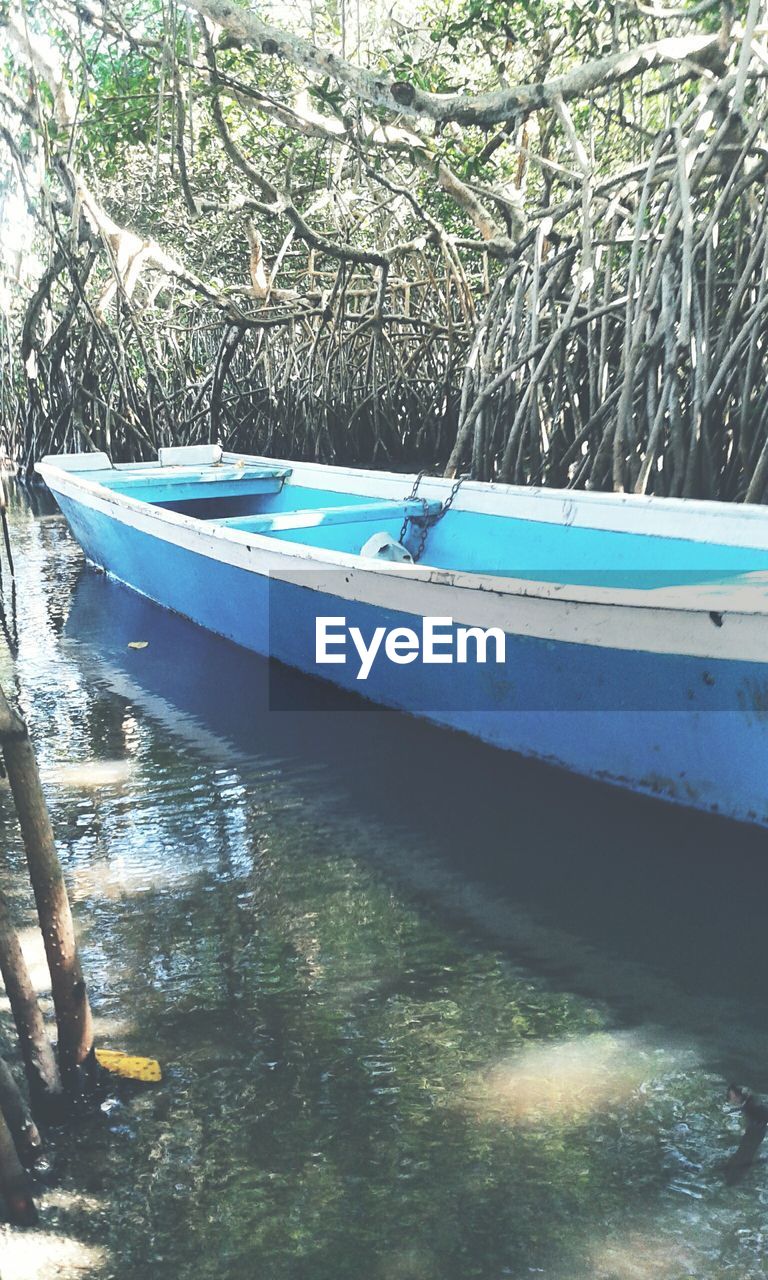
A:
[526,239]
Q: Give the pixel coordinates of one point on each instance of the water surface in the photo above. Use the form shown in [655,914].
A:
[424,1012]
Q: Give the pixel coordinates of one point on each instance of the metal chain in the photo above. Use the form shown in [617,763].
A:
[425,521]
[424,524]
[410,498]
[449,500]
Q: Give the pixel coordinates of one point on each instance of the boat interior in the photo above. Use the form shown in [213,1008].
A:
[268,500]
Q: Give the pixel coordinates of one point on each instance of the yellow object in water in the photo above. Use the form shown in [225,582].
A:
[128,1066]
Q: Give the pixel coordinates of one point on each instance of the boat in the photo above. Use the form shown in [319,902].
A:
[621,637]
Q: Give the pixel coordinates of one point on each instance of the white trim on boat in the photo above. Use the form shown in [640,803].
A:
[739,525]
[742,525]
[717,621]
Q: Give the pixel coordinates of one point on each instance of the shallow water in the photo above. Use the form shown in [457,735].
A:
[424,1012]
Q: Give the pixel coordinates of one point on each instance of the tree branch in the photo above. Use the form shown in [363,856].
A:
[402,98]
[368,134]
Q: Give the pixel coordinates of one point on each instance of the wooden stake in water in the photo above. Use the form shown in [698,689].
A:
[37,1053]
[6,530]
[73,1012]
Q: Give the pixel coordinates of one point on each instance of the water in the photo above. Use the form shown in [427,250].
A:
[424,1013]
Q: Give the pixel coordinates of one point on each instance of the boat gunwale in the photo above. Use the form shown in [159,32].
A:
[738,515]
[697,598]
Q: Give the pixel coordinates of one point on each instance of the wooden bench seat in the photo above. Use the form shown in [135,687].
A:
[179,484]
[314,517]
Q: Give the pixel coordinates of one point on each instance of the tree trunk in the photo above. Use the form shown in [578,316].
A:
[24,1131]
[14,1181]
[73,1013]
[36,1051]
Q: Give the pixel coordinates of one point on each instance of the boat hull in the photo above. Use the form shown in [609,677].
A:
[687,728]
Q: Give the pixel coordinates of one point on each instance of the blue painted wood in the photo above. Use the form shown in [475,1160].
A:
[310,518]
[189,483]
[645,713]
[664,724]
[126,480]
[559,553]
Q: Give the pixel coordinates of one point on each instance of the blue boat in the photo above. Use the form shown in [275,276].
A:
[620,637]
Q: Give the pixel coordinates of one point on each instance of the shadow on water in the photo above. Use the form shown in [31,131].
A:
[427,1012]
